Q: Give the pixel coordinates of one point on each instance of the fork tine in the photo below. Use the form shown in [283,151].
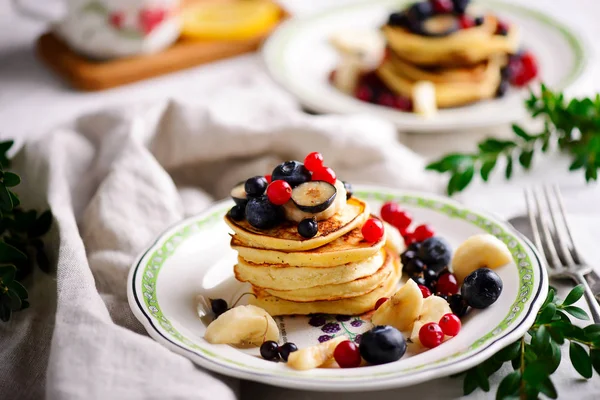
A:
[533,220]
[546,236]
[573,250]
[559,236]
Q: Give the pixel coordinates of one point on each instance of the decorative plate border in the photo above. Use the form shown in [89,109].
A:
[155,257]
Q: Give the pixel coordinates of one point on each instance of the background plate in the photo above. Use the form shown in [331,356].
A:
[194,257]
[299,58]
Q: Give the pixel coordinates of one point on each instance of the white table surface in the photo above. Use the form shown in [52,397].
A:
[32,100]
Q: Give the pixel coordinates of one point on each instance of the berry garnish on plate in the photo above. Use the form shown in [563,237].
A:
[458,305]
[423,232]
[347,355]
[425,291]
[382,344]
[431,335]
[447,284]
[279,192]
[269,350]
[481,288]
[218,306]
[324,174]
[286,349]
[313,161]
[372,230]
[308,228]
[450,324]
[435,252]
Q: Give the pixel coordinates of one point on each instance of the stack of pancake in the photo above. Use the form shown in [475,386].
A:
[335,272]
[464,65]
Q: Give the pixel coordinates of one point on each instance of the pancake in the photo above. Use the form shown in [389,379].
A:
[447,94]
[333,292]
[285,277]
[286,236]
[463,47]
[350,306]
[344,250]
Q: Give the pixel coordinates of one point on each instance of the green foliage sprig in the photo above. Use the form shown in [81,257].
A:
[574,127]
[536,356]
[20,243]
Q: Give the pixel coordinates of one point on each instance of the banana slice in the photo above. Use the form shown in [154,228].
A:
[402,309]
[315,356]
[479,251]
[433,309]
[242,325]
[394,240]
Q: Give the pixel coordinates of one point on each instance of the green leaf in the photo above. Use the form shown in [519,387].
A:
[5,312]
[7,274]
[535,373]
[487,168]
[510,352]
[521,133]
[516,363]
[11,179]
[549,297]
[15,301]
[541,340]
[5,146]
[574,295]
[9,254]
[577,312]
[580,359]
[492,145]
[482,379]
[19,289]
[41,225]
[24,304]
[595,358]
[509,386]
[577,163]
[547,314]
[15,199]
[525,158]
[451,162]
[592,332]
[509,166]
[470,382]
[547,387]
[6,203]
[555,357]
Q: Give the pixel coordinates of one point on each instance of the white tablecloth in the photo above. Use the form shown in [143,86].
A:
[32,100]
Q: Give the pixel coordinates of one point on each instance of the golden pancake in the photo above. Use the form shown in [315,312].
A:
[350,306]
[286,237]
[333,292]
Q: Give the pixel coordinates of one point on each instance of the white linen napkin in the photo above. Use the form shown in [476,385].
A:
[114,180]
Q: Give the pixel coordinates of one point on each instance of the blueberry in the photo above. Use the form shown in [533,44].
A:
[308,227]
[481,288]
[419,279]
[442,295]
[218,306]
[349,191]
[397,19]
[420,11]
[414,266]
[286,349]
[382,344]
[435,252]
[415,246]
[458,305]
[269,350]
[408,256]
[261,214]
[430,276]
[256,186]
[502,88]
[237,213]
[293,172]
[479,20]
[505,73]
[460,6]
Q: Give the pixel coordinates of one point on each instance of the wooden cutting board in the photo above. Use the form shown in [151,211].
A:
[91,75]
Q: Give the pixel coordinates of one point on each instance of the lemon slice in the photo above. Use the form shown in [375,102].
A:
[229,21]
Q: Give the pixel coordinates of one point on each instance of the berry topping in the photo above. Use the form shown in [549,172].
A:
[313,161]
[408,238]
[447,284]
[435,253]
[502,28]
[442,6]
[479,20]
[286,349]
[268,178]
[237,213]
[380,302]
[386,99]
[324,174]
[364,93]
[314,196]
[460,6]
[349,190]
[420,11]
[397,19]
[261,214]
[430,276]
[293,172]
[414,267]
[450,324]
[466,21]
[425,291]
[372,230]
[255,186]
[458,305]
[481,288]
[408,256]
[347,355]
[218,306]
[423,232]
[382,344]
[403,103]
[431,335]
[279,192]
[395,216]
[269,350]
[388,210]
[308,227]
[419,280]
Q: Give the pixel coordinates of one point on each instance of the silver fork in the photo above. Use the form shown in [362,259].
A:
[552,236]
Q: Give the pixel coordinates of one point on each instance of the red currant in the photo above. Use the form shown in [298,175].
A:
[409,238]
[380,302]
[403,103]
[364,93]
[423,232]
[431,335]
[465,21]
[268,178]
[425,291]
[347,355]
[279,192]
[372,230]
[387,100]
[442,6]
[401,220]
[502,28]
[450,324]
[313,161]
[388,210]
[447,284]
[523,69]
[324,174]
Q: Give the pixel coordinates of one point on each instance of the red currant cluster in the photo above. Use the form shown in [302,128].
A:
[394,215]
[432,334]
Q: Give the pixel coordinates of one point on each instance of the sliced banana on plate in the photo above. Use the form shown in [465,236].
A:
[479,251]
[433,310]
[315,356]
[402,309]
[242,325]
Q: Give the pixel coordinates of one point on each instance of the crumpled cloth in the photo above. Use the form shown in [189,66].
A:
[114,180]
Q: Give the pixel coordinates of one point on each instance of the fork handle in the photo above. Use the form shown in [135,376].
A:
[589,296]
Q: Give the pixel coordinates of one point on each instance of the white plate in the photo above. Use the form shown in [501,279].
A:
[194,257]
[299,58]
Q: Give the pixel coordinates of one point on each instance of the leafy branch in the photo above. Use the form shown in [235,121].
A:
[574,127]
[537,355]
[20,240]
